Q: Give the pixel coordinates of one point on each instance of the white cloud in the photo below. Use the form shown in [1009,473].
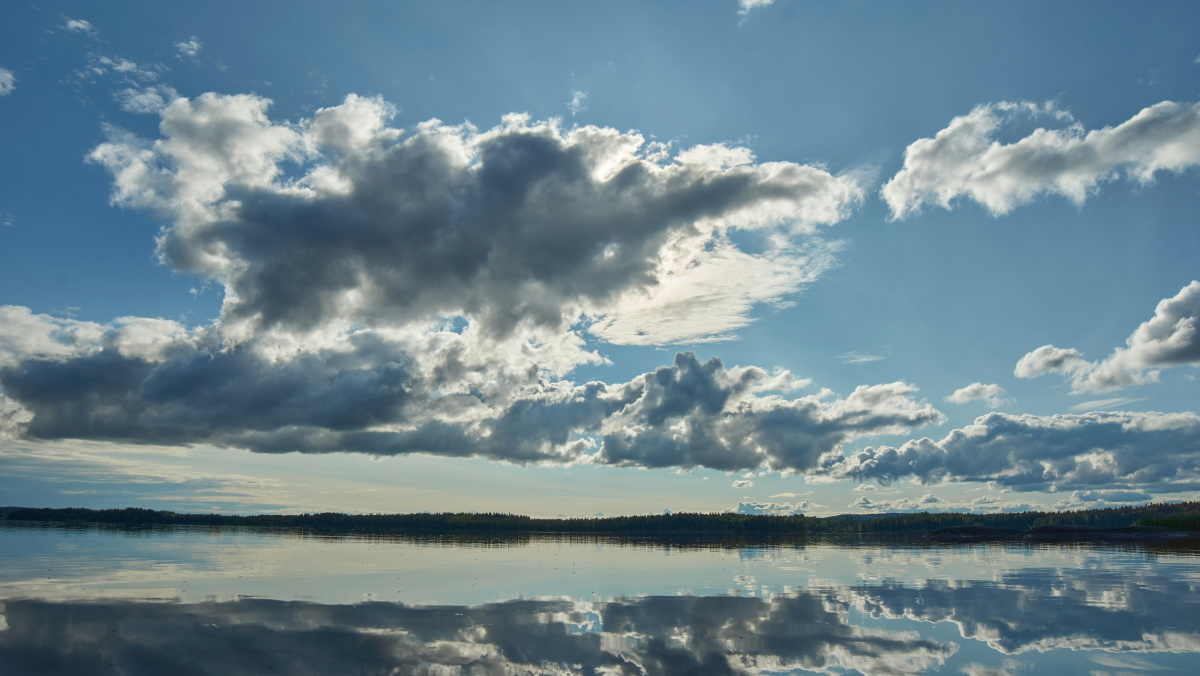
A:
[743,483]
[578,102]
[100,65]
[190,47]
[1102,498]
[1100,450]
[746,6]
[992,395]
[1104,404]
[925,503]
[860,357]
[8,81]
[776,508]
[1170,338]
[966,160]
[79,26]
[145,100]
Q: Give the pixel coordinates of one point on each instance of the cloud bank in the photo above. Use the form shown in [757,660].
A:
[966,160]
[1157,452]
[397,291]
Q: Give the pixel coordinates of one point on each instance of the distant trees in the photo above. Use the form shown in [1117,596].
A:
[1182,515]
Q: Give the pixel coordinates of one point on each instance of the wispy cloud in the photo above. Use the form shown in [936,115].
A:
[578,102]
[861,357]
[1104,404]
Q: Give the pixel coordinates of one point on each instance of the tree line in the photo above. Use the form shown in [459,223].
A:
[1181,515]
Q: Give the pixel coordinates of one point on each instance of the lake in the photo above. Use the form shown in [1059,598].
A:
[230,601]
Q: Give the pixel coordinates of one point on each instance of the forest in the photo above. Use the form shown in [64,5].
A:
[1178,515]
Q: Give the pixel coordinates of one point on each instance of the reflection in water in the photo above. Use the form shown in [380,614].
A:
[650,635]
[1040,610]
[240,602]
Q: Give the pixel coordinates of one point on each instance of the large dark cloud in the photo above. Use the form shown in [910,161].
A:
[368,399]
[1150,451]
[701,414]
[523,223]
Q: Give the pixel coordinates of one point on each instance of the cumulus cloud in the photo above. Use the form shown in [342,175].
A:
[429,291]
[190,47]
[743,483]
[1099,450]
[526,223]
[152,381]
[776,508]
[1103,498]
[695,414]
[966,160]
[992,395]
[1170,338]
[986,504]
[8,81]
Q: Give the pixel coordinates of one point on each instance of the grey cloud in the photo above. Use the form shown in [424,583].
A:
[1113,450]
[526,223]
[369,395]
[1170,338]
[704,415]
[966,160]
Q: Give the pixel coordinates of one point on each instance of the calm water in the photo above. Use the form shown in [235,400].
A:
[188,601]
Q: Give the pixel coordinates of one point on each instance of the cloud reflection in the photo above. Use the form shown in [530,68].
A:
[655,634]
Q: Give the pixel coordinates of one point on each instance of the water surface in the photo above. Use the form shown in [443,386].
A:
[227,601]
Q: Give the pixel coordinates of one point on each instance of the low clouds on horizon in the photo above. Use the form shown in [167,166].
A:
[430,290]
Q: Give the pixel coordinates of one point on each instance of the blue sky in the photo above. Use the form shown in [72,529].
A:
[612,258]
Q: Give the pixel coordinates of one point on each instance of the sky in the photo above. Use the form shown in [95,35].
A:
[599,258]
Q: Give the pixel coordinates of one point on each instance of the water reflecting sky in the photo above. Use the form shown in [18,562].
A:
[196,601]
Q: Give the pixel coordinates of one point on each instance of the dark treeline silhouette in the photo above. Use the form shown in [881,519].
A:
[1181,515]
